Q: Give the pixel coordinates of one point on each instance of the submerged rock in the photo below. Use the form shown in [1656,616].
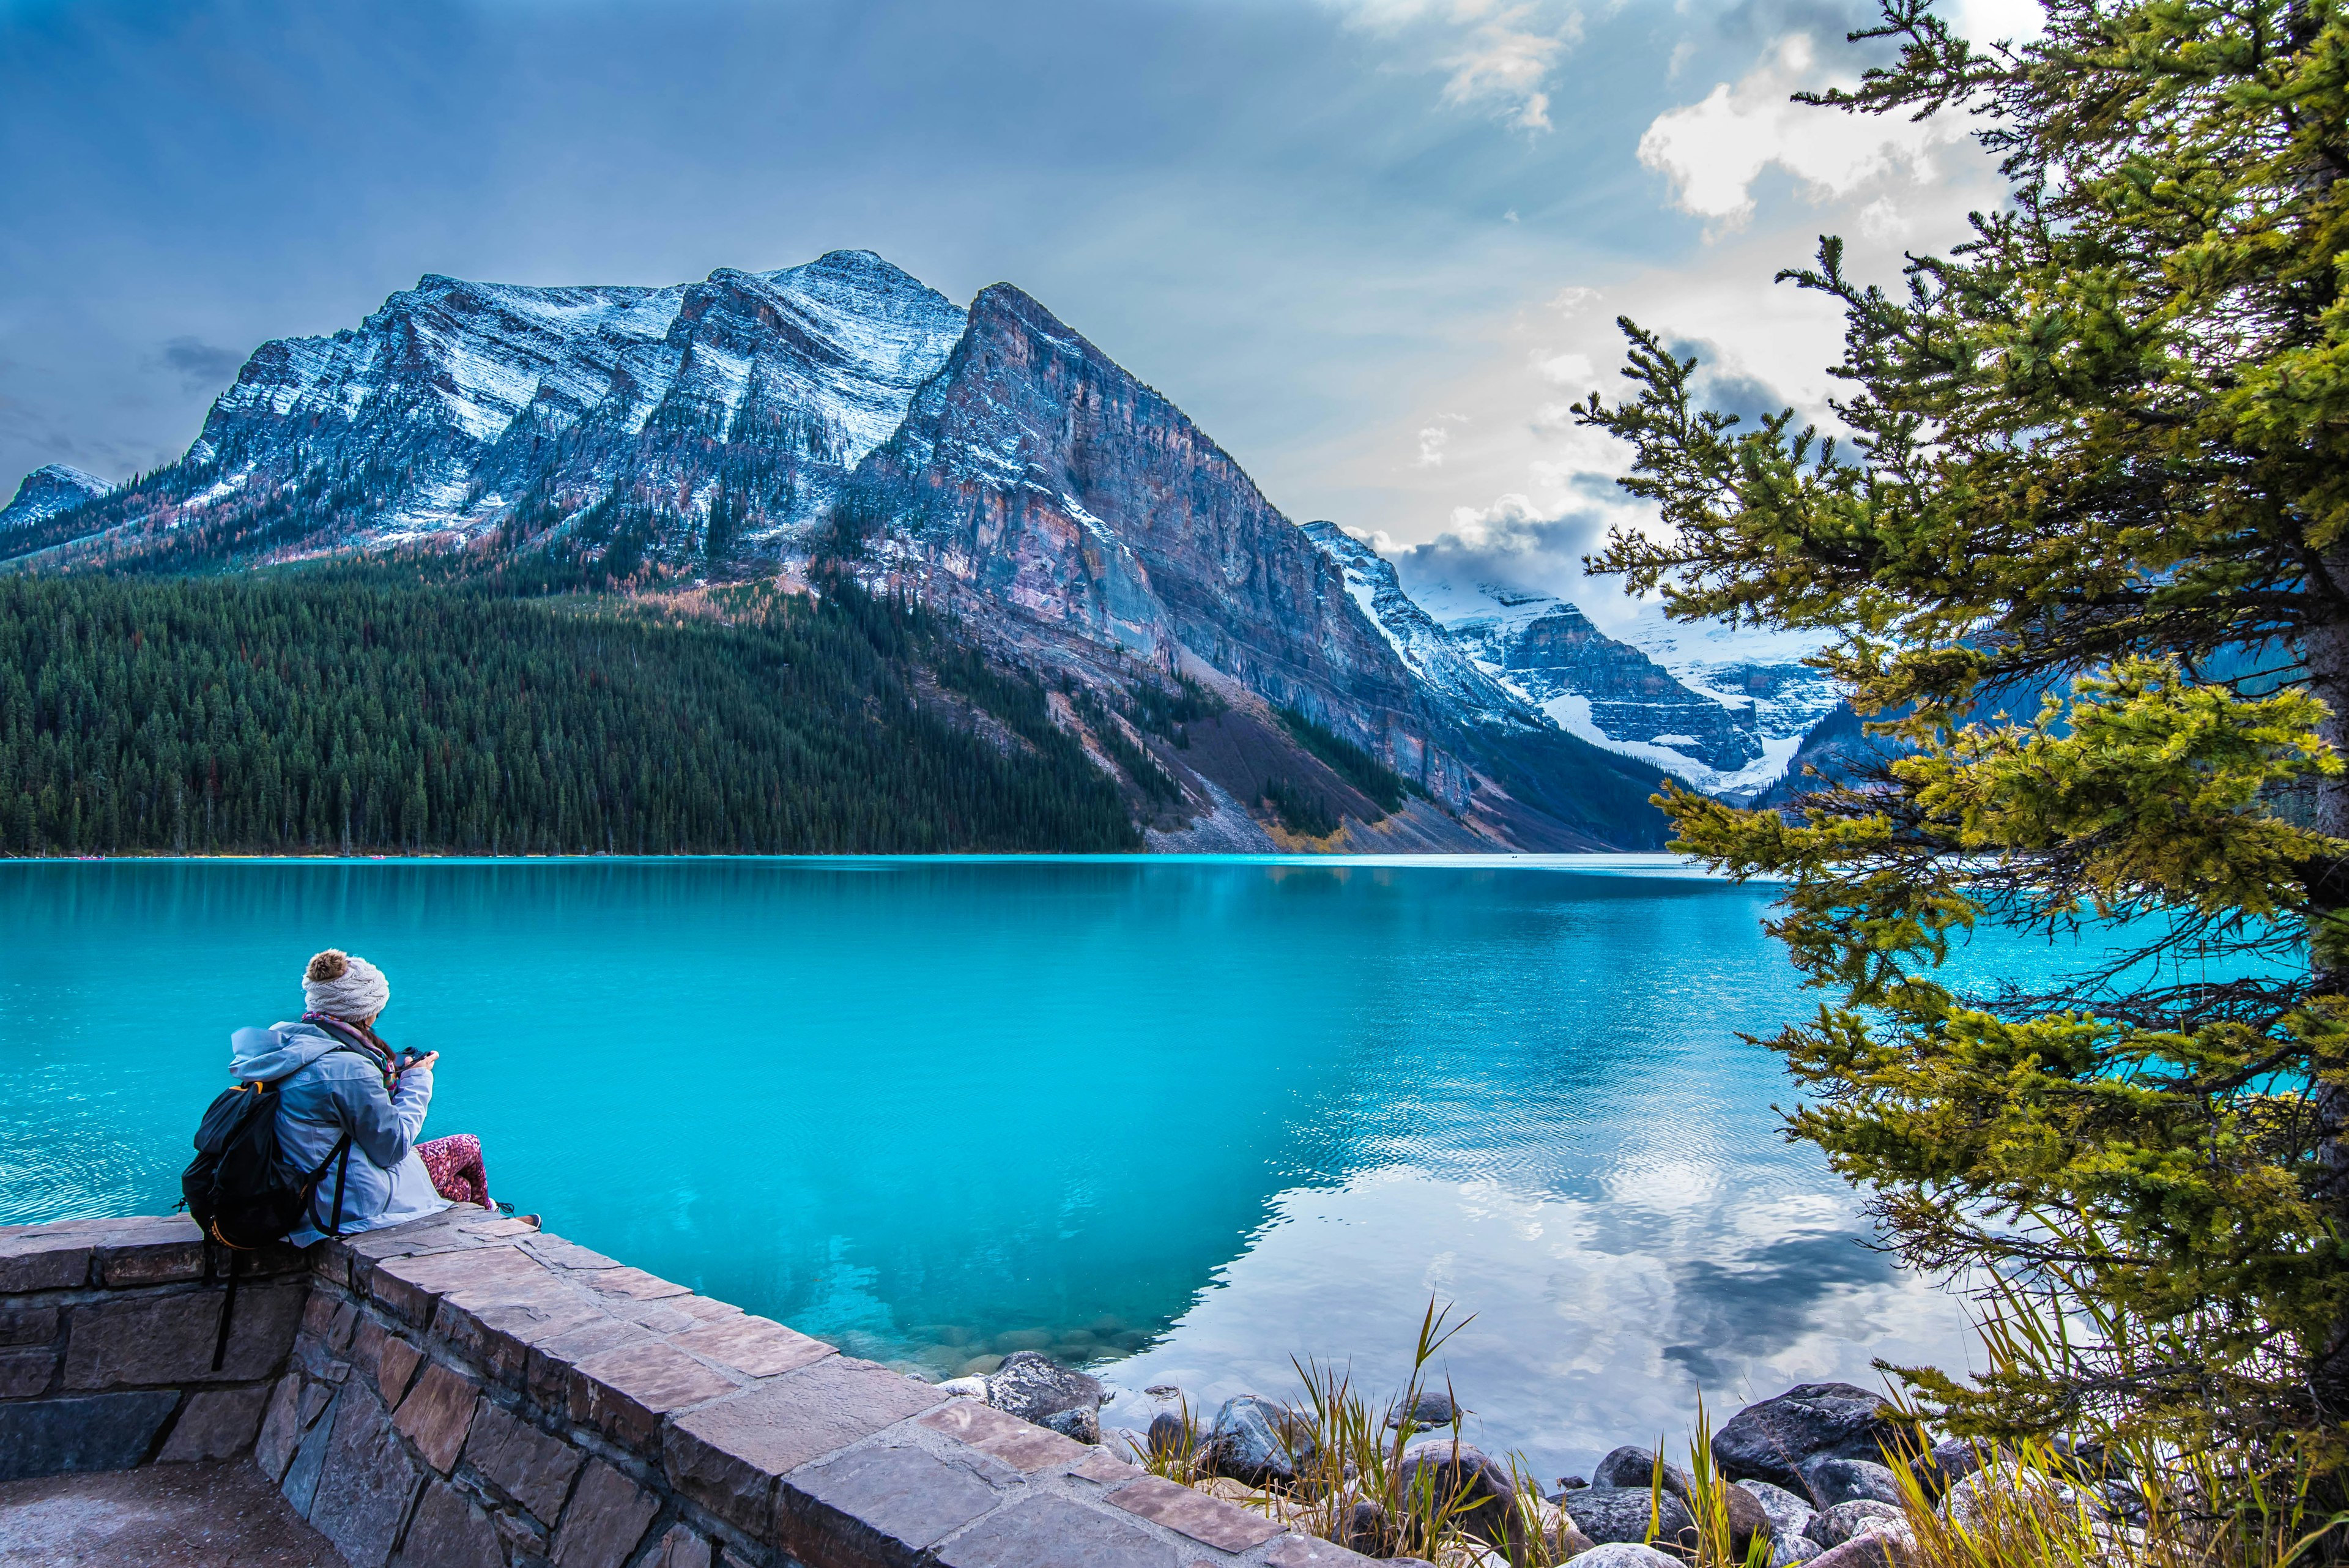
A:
[1434,1408]
[1036,1388]
[1773,1439]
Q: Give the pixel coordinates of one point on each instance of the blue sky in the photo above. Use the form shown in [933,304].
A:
[1372,246]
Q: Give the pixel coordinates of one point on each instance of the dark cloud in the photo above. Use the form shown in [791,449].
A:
[1510,545]
[1747,397]
[199,363]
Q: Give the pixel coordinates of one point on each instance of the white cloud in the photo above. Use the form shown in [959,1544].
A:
[1571,371]
[1433,438]
[1713,150]
[1495,56]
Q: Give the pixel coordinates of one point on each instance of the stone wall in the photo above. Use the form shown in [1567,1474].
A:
[467,1392]
[107,1331]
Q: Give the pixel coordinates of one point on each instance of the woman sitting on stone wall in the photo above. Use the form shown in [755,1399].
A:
[336,1077]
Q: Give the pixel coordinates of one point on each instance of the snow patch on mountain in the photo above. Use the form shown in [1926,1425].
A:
[1426,650]
[50,490]
[1723,711]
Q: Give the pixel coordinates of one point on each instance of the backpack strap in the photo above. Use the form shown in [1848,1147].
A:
[342,1151]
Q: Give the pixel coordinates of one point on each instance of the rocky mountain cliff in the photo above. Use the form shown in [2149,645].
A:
[1249,682]
[47,492]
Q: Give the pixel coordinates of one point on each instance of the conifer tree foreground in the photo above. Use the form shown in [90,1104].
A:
[2087,564]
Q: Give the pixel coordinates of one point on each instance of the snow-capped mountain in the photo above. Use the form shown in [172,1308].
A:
[1721,709]
[1430,652]
[458,405]
[47,492]
[842,416]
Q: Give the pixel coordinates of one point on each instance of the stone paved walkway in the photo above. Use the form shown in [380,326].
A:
[161,1516]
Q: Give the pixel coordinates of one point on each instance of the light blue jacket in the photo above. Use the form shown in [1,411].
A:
[325,1093]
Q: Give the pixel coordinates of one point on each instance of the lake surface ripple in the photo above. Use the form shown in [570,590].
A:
[1179,1119]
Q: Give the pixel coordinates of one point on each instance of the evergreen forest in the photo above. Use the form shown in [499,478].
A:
[375,712]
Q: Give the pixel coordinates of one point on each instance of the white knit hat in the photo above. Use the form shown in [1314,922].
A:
[345,987]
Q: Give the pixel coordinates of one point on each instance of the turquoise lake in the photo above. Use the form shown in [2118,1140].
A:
[1179,1119]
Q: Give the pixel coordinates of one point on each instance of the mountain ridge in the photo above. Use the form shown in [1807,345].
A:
[842,416]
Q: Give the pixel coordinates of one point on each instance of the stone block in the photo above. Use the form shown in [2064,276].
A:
[1312,1551]
[553,1357]
[520,1460]
[501,1228]
[878,1506]
[315,1396]
[409,1287]
[624,1393]
[680,1548]
[500,1337]
[366,1485]
[1053,1533]
[1100,1465]
[1018,1443]
[436,1414]
[30,1326]
[396,1362]
[449,1531]
[443,1232]
[25,1372]
[726,1455]
[215,1424]
[301,1483]
[281,1428]
[154,1252]
[634,1283]
[343,1329]
[366,1346]
[35,1259]
[703,1308]
[607,1519]
[557,1252]
[318,1313]
[755,1347]
[169,1338]
[1210,1521]
[93,1432]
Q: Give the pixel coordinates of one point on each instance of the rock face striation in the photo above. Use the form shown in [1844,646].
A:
[843,417]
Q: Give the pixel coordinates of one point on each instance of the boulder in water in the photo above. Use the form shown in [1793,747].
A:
[1257,1442]
[1434,1408]
[1479,1492]
[1789,1515]
[1773,1439]
[1636,1467]
[1627,1555]
[1846,1480]
[1036,1388]
[1857,1517]
[1614,1513]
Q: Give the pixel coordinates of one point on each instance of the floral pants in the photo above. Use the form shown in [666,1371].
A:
[454,1163]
